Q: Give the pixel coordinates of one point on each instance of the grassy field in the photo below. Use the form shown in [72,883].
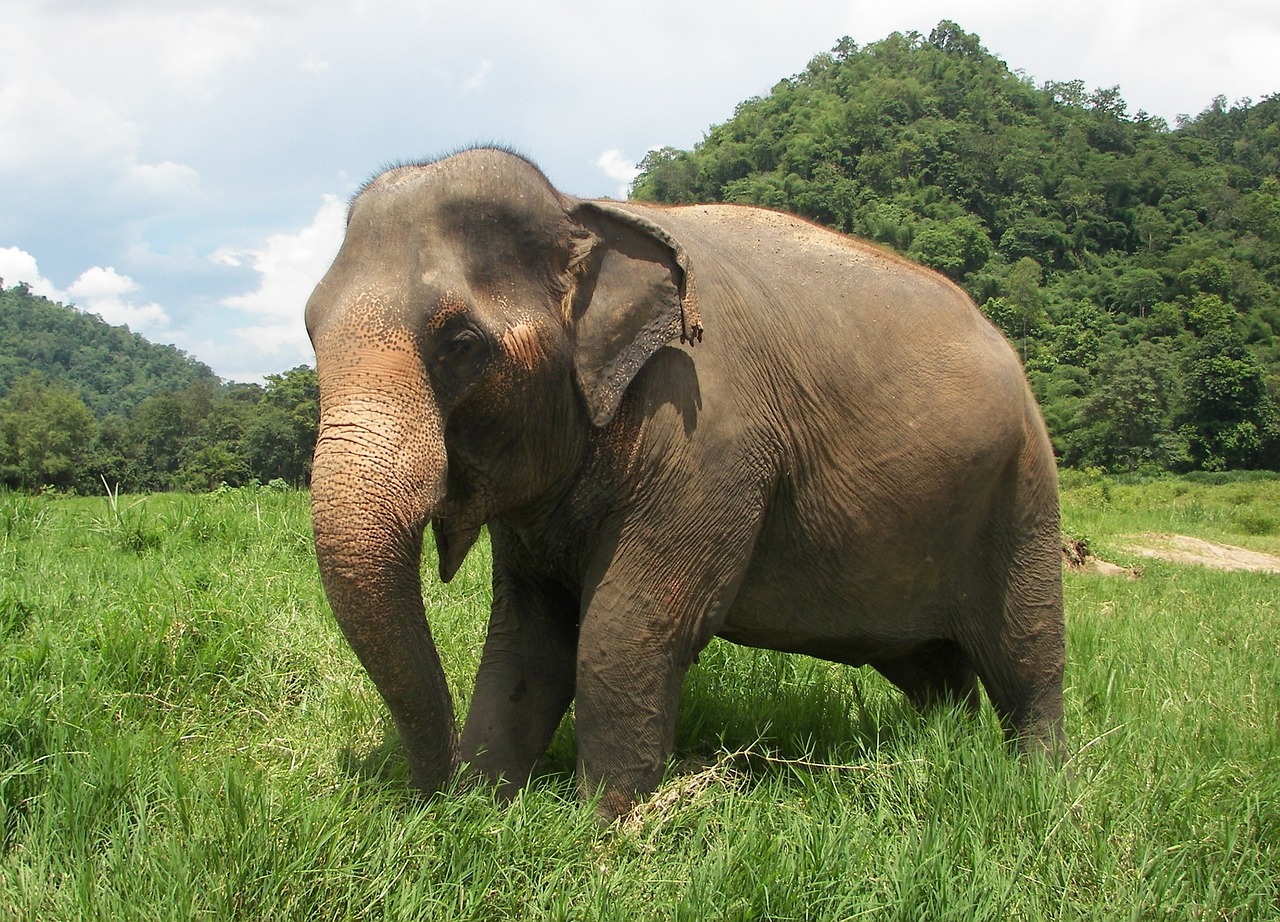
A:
[184,734]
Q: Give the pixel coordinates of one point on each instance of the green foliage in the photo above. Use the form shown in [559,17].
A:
[1231,416]
[184,733]
[1127,421]
[1081,231]
[45,433]
[200,438]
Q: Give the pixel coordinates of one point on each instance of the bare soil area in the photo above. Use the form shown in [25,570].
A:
[1185,549]
[1173,548]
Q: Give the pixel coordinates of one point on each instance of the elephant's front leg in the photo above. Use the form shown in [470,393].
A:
[643,625]
[526,677]
[629,681]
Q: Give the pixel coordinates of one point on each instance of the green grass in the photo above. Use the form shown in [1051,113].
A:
[184,734]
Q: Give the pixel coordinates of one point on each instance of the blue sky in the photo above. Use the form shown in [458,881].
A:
[183,166]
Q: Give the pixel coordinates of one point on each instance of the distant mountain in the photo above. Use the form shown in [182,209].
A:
[110,368]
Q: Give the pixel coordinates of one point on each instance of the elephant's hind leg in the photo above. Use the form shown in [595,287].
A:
[938,674]
[1027,696]
[1021,661]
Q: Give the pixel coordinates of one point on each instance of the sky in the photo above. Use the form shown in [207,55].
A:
[184,166]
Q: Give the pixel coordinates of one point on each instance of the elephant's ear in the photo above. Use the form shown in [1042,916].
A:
[634,293]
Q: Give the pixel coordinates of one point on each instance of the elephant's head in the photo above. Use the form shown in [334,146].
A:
[473,328]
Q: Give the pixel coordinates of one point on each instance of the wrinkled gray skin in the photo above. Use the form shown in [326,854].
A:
[850,466]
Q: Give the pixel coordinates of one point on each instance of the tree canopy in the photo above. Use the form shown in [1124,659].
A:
[1134,266]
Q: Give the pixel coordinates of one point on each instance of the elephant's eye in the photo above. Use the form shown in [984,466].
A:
[463,344]
[460,356]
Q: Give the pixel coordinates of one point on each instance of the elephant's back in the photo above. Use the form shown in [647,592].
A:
[873,333]
[771,235]
[769,269]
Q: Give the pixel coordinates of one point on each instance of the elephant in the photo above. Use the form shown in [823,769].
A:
[676,423]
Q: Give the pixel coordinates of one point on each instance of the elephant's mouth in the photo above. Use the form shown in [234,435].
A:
[454,539]
[458,520]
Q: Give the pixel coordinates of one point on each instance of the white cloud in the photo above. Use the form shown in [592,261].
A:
[289,265]
[157,185]
[273,339]
[55,139]
[20,266]
[102,291]
[618,167]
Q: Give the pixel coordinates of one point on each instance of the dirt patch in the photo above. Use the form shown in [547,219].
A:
[1185,549]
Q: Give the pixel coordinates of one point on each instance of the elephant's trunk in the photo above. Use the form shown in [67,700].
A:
[378,477]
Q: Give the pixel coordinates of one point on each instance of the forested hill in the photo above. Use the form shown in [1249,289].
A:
[1136,266]
[111,369]
[85,405]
